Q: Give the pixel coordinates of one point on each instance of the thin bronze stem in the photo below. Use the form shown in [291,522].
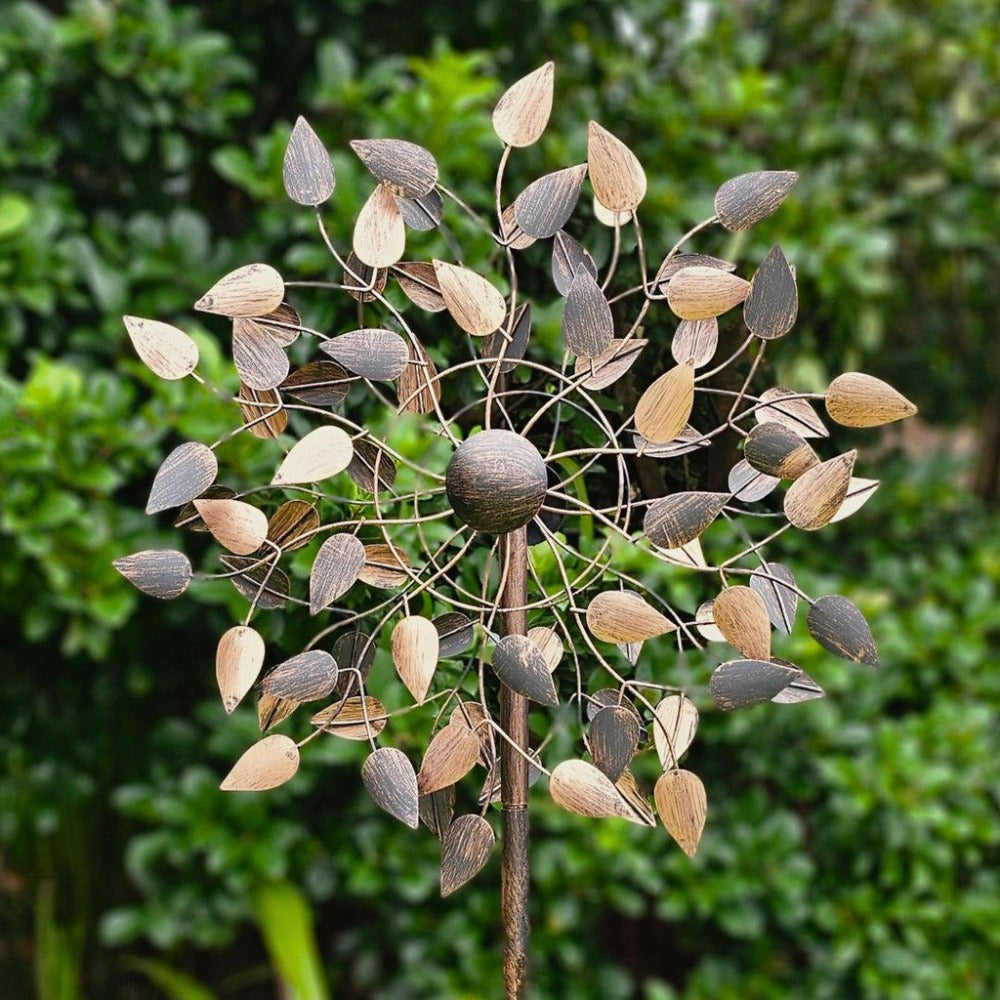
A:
[515,871]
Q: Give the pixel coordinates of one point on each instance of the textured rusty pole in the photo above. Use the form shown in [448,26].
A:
[515,872]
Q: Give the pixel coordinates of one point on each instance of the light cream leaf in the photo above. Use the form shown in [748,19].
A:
[475,305]
[322,453]
[165,350]
[523,110]
[415,649]
[267,764]
[252,290]
[238,659]
[237,526]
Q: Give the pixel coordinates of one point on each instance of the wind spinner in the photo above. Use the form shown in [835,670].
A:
[488,565]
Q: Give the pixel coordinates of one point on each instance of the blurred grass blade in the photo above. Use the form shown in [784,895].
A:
[286,925]
[170,981]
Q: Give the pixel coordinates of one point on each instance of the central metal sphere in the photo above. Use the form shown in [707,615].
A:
[496,481]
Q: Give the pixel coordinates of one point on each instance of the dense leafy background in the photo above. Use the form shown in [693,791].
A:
[852,848]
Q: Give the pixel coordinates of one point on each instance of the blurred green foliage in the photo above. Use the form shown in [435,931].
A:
[852,847]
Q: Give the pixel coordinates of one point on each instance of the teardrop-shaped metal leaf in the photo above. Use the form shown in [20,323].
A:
[238,659]
[511,234]
[306,677]
[588,326]
[616,175]
[379,232]
[743,201]
[307,171]
[370,465]
[165,350]
[455,633]
[284,324]
[748,484]
[260,360]
[682,805]
[238,526]
[772,305]
[814,498]
[800,688]
[628,788]
[855,399]
[549,643]
[335,570]
[403,167]
[689,554]
[781,601]
[260,582]
[418,388]
[474,304]
[421,214]
[859,492]
[837,625]
[391,781]
[704,621]
[352,718]
[675,520]
[613,738]
[262,412]
[523,110]
[741,616]
[162,573]
[292,525]
[188,517]
[742,683]
[385,567]
[677,262]
[252,290]
[545,205]
[777,450]
[371,353]
[322,453]
[450,756]
[272,710]
[610,365]
[415,650]
[584,789]
[621,616]
[786,407]
[418,279]
[664,408]
[695,340]
[318,383]
[513,348]
[353,651]
[437,809]
[184,474]
[675,721]
[362,281]
[465,849]
[519,664]
[568,256]
[703,292]
[267,764]
[607,698]
[613,220]
[690,439]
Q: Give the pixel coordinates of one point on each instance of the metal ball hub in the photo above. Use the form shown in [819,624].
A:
[496,481]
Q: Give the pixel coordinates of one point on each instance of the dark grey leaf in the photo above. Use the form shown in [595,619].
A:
[391,781]
[741,683]
[837,625]
[519,664]
[184,474]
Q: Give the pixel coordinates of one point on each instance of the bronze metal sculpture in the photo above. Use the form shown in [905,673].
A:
[517,466]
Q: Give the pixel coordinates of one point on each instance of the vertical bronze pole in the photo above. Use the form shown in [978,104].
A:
[515,872]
